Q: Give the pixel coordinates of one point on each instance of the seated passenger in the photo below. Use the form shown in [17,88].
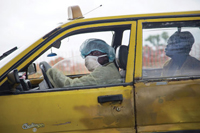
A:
[99,58]
[181,63]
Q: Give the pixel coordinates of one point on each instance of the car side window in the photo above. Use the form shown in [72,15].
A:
[67,57]
[126,37]
[171,49]
[69,68]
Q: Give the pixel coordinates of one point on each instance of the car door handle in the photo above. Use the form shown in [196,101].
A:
[110,98]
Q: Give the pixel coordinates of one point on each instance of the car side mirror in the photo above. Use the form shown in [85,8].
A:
[31,69]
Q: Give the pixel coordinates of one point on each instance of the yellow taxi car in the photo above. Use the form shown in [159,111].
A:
[158,92]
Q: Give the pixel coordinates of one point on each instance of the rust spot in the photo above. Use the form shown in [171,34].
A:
[160,100]
[106,115]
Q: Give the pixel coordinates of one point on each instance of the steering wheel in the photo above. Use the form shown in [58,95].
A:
[44,66]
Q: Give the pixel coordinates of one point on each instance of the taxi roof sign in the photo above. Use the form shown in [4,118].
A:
[74,12]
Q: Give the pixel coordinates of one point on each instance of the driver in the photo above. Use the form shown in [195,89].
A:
[181,63]
[99,58]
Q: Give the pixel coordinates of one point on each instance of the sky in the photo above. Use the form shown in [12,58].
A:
[25,21]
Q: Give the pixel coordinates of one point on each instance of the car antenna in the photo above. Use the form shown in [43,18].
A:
[92,10]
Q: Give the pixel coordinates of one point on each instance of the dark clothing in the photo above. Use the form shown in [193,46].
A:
[191,66]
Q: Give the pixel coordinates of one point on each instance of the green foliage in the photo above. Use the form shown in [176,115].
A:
[165,36]
[155,39]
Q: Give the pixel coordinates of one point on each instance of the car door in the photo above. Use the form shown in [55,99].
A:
[102,108]
[166,103]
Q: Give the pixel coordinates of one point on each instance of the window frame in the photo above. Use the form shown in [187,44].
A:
[43,46]
[139,45]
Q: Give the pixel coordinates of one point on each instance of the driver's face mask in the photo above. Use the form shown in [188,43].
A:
[91,62]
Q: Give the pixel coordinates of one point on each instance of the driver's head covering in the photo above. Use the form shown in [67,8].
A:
[93,44]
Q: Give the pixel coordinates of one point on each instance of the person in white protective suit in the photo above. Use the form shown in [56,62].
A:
[99,57]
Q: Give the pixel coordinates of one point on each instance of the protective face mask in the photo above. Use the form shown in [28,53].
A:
[91,62]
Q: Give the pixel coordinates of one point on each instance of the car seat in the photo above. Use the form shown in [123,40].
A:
[121,60]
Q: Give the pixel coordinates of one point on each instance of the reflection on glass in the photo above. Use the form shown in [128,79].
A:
[181,63]
[171,49]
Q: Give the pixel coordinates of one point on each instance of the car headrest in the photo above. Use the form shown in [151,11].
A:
[121,56]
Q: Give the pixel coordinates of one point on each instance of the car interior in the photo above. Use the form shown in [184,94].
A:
[20,81]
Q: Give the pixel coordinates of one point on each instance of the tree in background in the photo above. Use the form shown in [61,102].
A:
[154,56]
[165,36]
[155,39]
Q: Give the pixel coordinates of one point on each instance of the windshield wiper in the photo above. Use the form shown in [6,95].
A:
[7,53]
